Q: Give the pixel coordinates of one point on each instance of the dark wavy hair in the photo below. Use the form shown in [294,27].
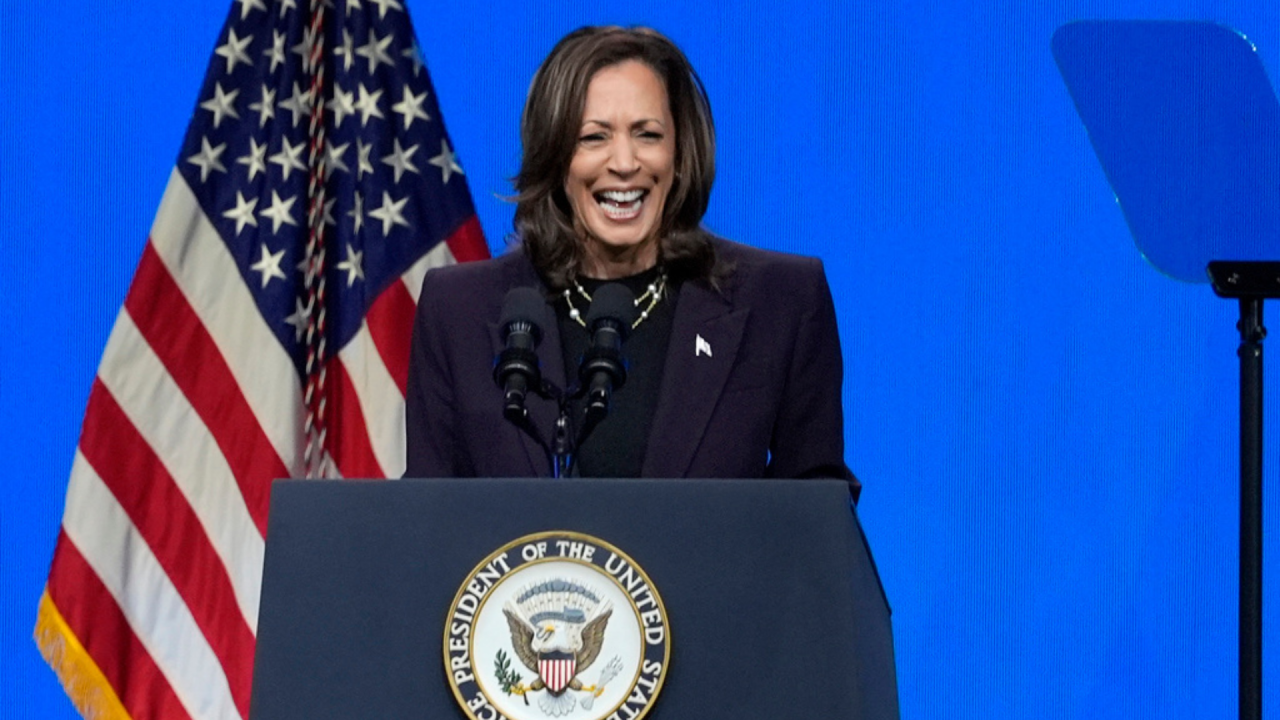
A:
[549,130]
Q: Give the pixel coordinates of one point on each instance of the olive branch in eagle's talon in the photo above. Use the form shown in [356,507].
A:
[509,679]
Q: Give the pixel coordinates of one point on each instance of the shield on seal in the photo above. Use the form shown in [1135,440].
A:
[557,670]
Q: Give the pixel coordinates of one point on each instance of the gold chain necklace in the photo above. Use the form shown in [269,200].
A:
[653,294]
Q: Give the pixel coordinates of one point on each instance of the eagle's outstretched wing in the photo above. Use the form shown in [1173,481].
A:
[522,640]
[593,639]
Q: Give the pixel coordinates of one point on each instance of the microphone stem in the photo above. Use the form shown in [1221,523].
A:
[563,444]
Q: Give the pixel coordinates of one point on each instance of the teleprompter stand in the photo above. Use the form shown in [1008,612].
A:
[1250,283]
[1186,126]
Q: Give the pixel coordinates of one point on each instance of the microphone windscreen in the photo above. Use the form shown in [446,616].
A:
[523,304]
[613,301]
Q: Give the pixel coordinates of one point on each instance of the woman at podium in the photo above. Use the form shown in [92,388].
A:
[731,354]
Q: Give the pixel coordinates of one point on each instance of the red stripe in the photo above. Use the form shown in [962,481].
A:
[175,333]
[163,517]
[348,438]
[390,321]
[467,242]
[96,620]
[390,317]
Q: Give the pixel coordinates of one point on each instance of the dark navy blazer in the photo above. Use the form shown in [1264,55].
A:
[766,402]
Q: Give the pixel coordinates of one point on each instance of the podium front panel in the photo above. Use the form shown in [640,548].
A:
[773,603]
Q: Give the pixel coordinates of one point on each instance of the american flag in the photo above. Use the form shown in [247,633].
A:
[265,335]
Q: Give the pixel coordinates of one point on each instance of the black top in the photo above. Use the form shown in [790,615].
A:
[615,448]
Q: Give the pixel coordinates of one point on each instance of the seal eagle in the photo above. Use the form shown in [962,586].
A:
[557,631]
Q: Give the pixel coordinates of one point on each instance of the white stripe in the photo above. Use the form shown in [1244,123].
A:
[161,413]
[200,263]
[380,400]
[439,256]
[118,554]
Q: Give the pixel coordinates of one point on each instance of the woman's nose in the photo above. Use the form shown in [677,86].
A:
[623,160]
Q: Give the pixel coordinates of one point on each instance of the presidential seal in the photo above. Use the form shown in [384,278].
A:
[557,625]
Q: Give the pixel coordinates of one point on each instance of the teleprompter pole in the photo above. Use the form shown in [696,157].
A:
[1250,283]
[1251,334]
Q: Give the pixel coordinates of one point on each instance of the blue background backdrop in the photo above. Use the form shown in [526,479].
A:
[1045,426]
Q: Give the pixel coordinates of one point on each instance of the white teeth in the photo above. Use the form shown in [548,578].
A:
[620,196]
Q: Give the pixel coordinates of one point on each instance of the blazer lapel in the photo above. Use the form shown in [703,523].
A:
[542,412]
[705,337]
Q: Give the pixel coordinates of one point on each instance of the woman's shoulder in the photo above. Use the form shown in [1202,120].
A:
[756,268]
[480,278]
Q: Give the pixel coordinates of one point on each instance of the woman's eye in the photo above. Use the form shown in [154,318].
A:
[592,138]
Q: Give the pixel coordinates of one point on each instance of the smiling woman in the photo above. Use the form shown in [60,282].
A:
[622,109]
[622,170]
[732,365]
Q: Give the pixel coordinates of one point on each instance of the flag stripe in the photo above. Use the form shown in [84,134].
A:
[163,518]
[388,325]
[156,407]
[96,624]
[120,557]
[173,331]
[467,242]
[199,262]
[348,440]
[381,398]
[439,256]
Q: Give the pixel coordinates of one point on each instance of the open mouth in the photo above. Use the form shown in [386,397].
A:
[621,204]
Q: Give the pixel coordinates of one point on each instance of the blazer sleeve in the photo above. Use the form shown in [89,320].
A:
[431,424]
[808,438]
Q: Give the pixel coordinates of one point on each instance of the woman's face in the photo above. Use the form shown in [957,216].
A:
[622,168]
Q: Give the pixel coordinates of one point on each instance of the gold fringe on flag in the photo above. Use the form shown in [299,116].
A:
[84,683]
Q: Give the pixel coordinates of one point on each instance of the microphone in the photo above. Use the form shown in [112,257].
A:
[516,368]
[609,320]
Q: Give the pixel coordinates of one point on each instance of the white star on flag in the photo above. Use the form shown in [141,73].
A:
[414,54]
[446,161]
[303,49]
[333,158]
[299,104]
[242,213]
[233,50]
[346,50]
[352,265]
[364,164]
[367,104]
[375,51]
[269,264]
[341,104]
[384,4]
[289,157]
[265,107]
[301,314]
[256,158]
[401,160]
[280,212]
[410,107]
[357,212]
[276,51]
[221,104]
[207,158]
[390,213]
[247,5]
